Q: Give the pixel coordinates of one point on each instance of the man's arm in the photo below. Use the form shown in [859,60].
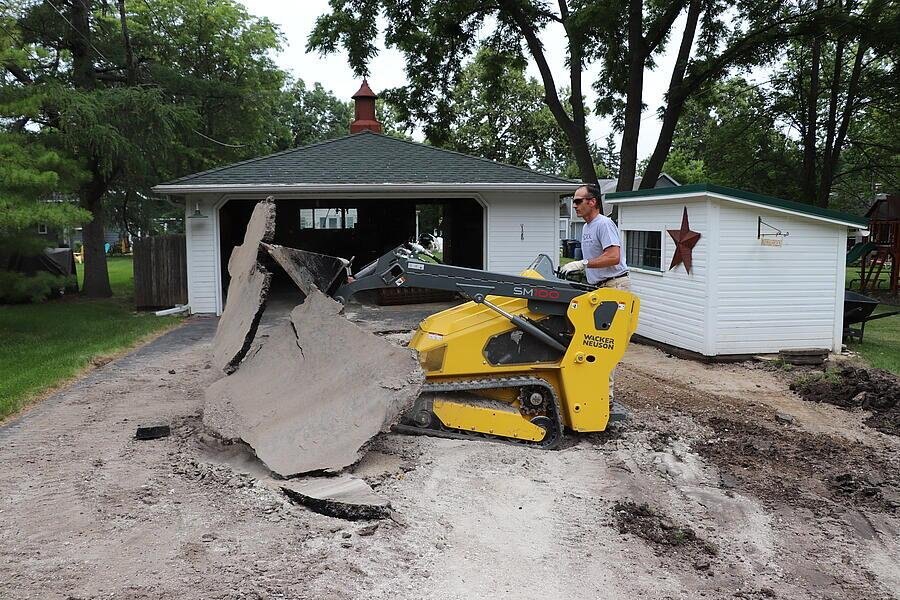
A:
[609,258]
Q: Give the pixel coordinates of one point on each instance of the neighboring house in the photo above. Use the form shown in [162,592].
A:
[110,236]
[570,224]
[767,274]
[70,236]
[357,196]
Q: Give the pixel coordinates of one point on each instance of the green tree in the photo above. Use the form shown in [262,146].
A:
[437,39]
[140,93]
[729,136]
[498,113]
[609,156]
[832,83]
[314,114]
[623,36]
[30,175]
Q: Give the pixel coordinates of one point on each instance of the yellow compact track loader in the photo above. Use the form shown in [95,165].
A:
[525,358]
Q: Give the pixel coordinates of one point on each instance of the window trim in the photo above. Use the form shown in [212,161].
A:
[662,252]
[43,229]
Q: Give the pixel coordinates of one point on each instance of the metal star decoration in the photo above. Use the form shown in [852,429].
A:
[685,240]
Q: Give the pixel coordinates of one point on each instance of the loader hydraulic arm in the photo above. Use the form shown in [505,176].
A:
[402,267]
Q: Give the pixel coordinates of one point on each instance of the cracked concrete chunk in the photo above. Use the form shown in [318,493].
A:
[247,290]
[315,392]
[307,269]
[344,497]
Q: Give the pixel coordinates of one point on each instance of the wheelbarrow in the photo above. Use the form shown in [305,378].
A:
[858,310]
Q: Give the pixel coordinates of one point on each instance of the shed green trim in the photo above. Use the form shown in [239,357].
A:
[789,205]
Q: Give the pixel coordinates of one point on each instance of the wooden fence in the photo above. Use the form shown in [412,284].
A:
[160,272]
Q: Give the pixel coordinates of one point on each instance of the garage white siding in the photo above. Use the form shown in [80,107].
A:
[776,298]
[509,217]
[519,227]
[202,252]
[674,304]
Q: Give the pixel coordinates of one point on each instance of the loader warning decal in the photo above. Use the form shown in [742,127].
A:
[598,341]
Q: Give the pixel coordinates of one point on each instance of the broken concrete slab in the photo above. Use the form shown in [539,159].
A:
[247,290]
[308,269]
[315,392]
[344,497]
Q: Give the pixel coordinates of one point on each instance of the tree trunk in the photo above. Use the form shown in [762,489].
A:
[808,173]
[634,101]
[96,275]
[80,45]
[575,131]
[663,142]
[830,162]
[126,40]
[675,100]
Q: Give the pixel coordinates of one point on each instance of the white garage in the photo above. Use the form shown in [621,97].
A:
[763,275]
[359,196]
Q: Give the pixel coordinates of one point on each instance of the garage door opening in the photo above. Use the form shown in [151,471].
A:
[359,229]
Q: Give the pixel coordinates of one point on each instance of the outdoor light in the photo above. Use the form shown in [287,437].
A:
[197,214]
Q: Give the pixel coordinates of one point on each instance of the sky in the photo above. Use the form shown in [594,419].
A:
[296,21]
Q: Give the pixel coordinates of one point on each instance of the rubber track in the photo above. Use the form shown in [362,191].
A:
[489,384]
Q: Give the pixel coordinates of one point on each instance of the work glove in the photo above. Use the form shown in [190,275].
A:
[573,267]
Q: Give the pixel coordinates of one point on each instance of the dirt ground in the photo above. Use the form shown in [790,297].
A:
[723,484]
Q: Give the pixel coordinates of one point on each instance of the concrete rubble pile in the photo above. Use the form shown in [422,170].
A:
[309,393]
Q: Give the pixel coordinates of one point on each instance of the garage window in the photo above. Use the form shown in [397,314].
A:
[643,250]
[327,218]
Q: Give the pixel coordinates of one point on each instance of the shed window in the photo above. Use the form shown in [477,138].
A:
[644,249]
[42,229]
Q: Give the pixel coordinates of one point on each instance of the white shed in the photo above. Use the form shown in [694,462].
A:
[359,196]
[766,274]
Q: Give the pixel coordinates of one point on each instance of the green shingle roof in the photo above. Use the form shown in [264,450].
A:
[366,158]
[789,205]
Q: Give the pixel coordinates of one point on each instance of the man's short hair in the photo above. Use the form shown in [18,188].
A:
[593,190]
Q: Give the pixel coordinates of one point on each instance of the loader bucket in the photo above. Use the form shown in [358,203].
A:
[325,273]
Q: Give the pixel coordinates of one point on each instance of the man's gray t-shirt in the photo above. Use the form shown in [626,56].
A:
[599,234]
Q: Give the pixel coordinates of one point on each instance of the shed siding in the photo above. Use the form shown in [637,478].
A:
[775,298]
[509,250]
[202,252]
[673,303]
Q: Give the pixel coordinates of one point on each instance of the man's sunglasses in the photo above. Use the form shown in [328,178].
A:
[577,201]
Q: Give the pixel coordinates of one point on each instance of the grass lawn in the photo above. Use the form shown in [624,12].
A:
[881,343]
[853,273]
[46,344]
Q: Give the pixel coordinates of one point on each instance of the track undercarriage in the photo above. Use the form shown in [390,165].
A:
[518,410]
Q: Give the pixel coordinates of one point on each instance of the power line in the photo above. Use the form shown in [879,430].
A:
[206,137]
[76,30]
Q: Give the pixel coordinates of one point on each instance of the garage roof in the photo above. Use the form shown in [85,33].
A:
[364,158]
[740,197]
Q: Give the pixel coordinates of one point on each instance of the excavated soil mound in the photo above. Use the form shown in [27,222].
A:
[852,387]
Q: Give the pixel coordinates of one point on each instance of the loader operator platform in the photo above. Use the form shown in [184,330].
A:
[601,245]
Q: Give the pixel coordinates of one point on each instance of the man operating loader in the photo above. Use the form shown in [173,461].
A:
[601,245]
